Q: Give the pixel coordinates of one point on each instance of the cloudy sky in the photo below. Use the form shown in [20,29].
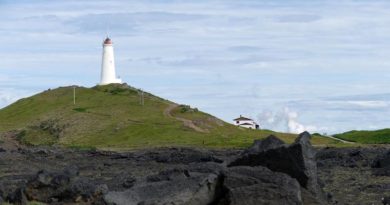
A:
[293,65]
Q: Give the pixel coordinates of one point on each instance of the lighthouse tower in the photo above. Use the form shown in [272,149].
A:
[108,74]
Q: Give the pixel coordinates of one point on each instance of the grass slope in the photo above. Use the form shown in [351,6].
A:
[112,117]
[367,137]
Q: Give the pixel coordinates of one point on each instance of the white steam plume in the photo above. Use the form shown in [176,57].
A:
[283,120]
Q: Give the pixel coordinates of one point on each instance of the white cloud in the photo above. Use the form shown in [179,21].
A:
[370,104]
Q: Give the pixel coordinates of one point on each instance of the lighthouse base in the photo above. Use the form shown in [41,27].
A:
[118,80]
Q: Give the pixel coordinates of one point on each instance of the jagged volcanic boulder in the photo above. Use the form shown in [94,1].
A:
[347,157]
[65,186]
[381,164]
[382,161]
[386,200]
[259,185]
[296,160]
[270,142]
[178,186]
[17,197]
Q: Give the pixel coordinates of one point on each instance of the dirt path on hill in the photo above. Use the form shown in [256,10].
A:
[186,122]
[341,140]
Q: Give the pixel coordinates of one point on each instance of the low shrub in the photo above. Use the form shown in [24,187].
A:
[80,109]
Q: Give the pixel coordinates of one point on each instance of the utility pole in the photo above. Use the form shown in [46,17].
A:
[141,97]
[74,95]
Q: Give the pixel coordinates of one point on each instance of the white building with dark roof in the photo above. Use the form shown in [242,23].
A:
[246,122]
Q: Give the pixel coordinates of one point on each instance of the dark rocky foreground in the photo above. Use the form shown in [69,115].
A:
[269,172]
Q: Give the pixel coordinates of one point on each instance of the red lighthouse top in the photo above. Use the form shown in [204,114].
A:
[108,41]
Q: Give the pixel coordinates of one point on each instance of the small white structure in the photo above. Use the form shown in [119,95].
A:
[108,74]
[246,122]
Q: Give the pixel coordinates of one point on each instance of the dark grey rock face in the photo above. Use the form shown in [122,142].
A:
[232,186]
[64,186]
[170,187]
[129,182]
[347,157]
[381,160]
[169,175]
[346,171]
[381,164]
[259,185]
[159,176]
[17,197]
[179,156]
[269,172]
[307,164]
[296,160]
[386,200]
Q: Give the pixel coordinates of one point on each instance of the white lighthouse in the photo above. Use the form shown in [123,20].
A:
[108,74]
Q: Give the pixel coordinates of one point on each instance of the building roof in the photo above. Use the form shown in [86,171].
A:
[108,41]
[242,118]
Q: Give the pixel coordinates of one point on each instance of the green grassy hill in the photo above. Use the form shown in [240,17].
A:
[367,137]
[112,117]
